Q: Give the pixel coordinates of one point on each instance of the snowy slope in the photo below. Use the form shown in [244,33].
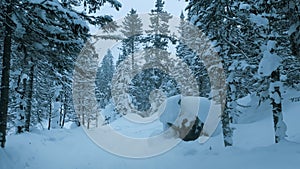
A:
[71,149]
[253,148]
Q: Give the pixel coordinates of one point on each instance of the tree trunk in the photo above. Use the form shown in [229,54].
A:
[25,89]
[275,96]
[5,73]
[226,118]
[50,115]
[28,93]
[61,111]
[64,116]
[65,106]
[227,131]
[61,115]
[132,54]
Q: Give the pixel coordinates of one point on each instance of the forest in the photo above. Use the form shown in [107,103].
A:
[241,56]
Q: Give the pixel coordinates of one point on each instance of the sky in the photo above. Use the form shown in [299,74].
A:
[175,7]
[144,6]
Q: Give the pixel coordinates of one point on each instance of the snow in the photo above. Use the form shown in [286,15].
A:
[133,128]
[253,144]
[169,115]
[20,30]
[56,108]
[24,77]
[252,109]
[38,46]
[281,130]
[270,61]
[293,28]
[109,114]
[244,6]
[259,20]
[177,108]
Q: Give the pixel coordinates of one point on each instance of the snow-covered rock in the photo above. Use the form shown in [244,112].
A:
[181,112]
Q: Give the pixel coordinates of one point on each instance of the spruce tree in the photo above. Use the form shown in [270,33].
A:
[276,48]
[158,36]
[6,70]
[47,36]
[227,26]
[191,58]
[201,13]
[157,58]
[245,33]
[132,30]
[103,80]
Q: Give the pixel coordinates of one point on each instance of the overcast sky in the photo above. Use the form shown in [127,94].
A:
[144,6]
[175,7]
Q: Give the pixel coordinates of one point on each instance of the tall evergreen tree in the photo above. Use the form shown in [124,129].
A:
[158,36]
[277,48]
[63,38]
[50,31]
[201,13]
[191,58]
[84,86]
[232,34]
[132,29]
[6,69]
[156,55]
[103,80]
[245,33]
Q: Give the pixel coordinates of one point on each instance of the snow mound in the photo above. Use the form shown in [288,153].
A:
[176,109]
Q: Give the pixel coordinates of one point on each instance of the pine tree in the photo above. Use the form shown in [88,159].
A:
[232,34]
[53,39]
[191,58]
[201,13]
[294,30]
[292,12]
[132,29]
[84,86]
[158,36]
[245,33]
[154,75]
[277,48]
[47,36]
[6,70]
[103,80]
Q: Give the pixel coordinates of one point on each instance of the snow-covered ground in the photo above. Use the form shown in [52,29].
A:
[253,148]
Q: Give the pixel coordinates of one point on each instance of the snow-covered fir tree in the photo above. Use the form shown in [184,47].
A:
[84,86]
[132,29]
[155,44]
[45,37]
[244,32]
[7,44]
[103,80]
[201,13]
[277,52]
[191,58]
